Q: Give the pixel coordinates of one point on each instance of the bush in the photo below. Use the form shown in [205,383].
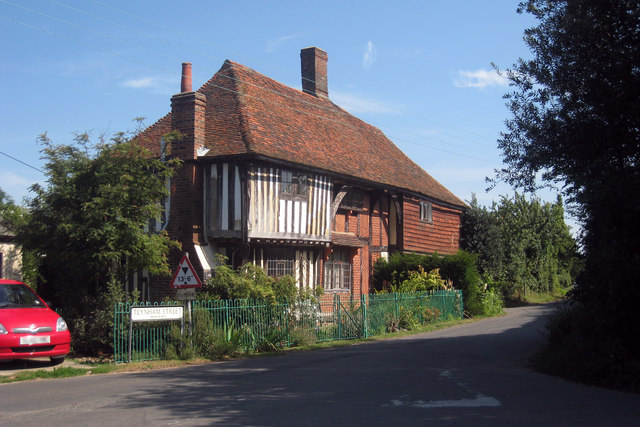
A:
[580,347]
[251,281]
[208,340]
[491,302]
[92,333]
[459,269]
[301,336]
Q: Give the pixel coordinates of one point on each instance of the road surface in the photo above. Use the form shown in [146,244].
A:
[468,375]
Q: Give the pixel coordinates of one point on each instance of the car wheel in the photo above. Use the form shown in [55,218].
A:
[57,359]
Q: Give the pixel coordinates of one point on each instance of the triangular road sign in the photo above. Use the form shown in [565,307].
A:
[186,276]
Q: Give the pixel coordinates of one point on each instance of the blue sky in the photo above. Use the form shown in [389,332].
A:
[419,70]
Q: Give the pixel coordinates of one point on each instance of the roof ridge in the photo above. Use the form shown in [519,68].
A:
[241,103]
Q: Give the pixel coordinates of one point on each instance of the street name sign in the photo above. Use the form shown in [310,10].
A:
[156,312]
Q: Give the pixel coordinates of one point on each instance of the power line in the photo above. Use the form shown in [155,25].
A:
[221,74]
[20,161]
[173,30]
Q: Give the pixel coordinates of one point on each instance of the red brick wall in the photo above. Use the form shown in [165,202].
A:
[443,235]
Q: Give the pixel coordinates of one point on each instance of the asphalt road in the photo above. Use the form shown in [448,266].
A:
[469,375]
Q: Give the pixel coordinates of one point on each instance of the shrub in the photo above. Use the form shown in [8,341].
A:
[208,340]
[491,302]
[251,281]
[580,347]
[459,269]
[301,336]
[92,333]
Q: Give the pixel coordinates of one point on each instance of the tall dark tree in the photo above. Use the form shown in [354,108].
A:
[576,124]
[89,225]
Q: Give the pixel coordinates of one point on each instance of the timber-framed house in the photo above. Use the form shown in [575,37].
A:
[286,179]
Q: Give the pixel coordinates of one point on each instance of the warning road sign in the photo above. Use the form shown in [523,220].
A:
[185,276]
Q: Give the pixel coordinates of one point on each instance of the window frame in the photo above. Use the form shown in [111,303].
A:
[294,184]
[281,258]
[338,272]
[426,211]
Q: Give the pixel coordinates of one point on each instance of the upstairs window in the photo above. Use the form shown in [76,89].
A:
[294,184]
[426,212]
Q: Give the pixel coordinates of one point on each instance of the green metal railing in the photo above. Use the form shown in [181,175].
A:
[333,317]
[139,341]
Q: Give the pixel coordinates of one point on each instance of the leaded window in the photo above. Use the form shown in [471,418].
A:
[337,271]
[294,184]
[281,263]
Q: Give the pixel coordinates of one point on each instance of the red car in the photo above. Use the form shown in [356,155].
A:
[28,327]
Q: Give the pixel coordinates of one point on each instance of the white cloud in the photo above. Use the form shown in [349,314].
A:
[274,44]
[139,83]
[356,104]
[154,84]
[480,79]
[370,55]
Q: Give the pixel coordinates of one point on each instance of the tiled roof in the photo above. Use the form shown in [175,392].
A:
[346,239]
[249,113]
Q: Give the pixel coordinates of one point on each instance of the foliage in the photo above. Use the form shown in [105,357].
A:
[523,245]
[575,123]
[87,226]
[458,270]
[571,352]
[417,281]
[273,340]
[492,304]
[10,213]
[92,332]
[208,340]
[301,336]
[251,281]
[11,218]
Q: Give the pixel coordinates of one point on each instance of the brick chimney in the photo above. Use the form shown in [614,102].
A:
[185,82]
[314,72]
[188,117]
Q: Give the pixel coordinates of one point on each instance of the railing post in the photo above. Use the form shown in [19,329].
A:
[365,320]
[395,297]
[336,298]
[226,315]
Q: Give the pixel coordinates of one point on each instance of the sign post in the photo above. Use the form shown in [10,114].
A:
[153,313]
[185,279]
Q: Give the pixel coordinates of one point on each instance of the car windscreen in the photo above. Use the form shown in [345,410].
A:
[17,296]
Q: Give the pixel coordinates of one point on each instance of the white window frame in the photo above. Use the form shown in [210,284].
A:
[338,272]
[426,212]
[281,263]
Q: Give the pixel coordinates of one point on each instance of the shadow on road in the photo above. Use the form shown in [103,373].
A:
[12,367]
[382,382]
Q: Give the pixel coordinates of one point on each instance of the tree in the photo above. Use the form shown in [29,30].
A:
[10,213]
[88,226]
[480,234]
[576,123]
[523,245]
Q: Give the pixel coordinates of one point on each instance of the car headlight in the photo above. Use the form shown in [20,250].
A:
[3,330]
[61,325]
